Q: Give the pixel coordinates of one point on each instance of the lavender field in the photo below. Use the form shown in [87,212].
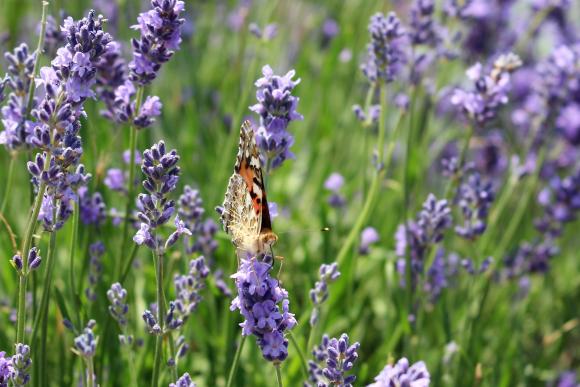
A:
[290,193]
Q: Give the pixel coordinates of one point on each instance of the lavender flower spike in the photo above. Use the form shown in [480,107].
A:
[183,381]
[385,52]
[118,307]
[160,30]
[277,108]
[21,363]
[328,274]
[5,369]
[333,359]
[265,307]
[401,374]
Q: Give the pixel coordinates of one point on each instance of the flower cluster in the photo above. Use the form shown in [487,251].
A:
[67,84]
[334,183]
[118,307]
[34,260]
[328,274]
[5,369]
[265,307]
[403,374]
[422,234]
[21,363]
[277,108]
[561,203]
[333,359]
[85,344]
[16,125]
[384,52]
[161,176]
[93,209]
[422,26]
[368,236]
[96,251]
[491,90]
[190,211]
[474,199]
[183,381]
[160,30]
[187,292]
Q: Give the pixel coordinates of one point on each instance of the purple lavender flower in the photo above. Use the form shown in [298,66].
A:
[443,270]
[277,108]
[92,208]
[5,369]
[270,31]
[333,359]
[561,202]
[491,90]
[110,75]
[188,288]
[85,344]
[265,307]
[422,234]
[474,198]
[568,123]
[368,237]
[54,37]
[334,183]
[16,126]
[183,381]
[530,258]
[161,176]
[385,51]
[115,180]
[160,30]
[565,379]
[319,294]
[96,251]
[422,26]
[21,363]
[401,374]
[118,307]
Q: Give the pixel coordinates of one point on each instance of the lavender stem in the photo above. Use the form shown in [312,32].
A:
[234,366]
[9,180]
[37,57]
[278,374]
[158,260]
[72,252]
[130,183]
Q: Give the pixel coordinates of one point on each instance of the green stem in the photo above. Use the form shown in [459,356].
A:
[158,259]
[303,361]
[8,183]
[21,318]
[130,183]
[42,315]
[90,372]
[72,254]
[373,190]
[462,156]
[37,58]
[278,374]
[406,204]
[236,362]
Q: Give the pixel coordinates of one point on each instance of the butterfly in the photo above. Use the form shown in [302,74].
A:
[244,213]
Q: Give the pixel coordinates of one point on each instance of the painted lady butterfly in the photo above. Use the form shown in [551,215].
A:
[245,215]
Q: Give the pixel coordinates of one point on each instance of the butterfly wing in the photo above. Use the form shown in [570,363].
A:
[245,210]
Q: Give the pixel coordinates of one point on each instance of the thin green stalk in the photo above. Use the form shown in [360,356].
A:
[373,190]
[72,256]
[158,259]
[462,156]
[303,361]
[130,184]
[406,204]
[9,180]
[90,372]
[131,361]
[42,315]
[278,374]
[234,366]
[37,57]
[21,317]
